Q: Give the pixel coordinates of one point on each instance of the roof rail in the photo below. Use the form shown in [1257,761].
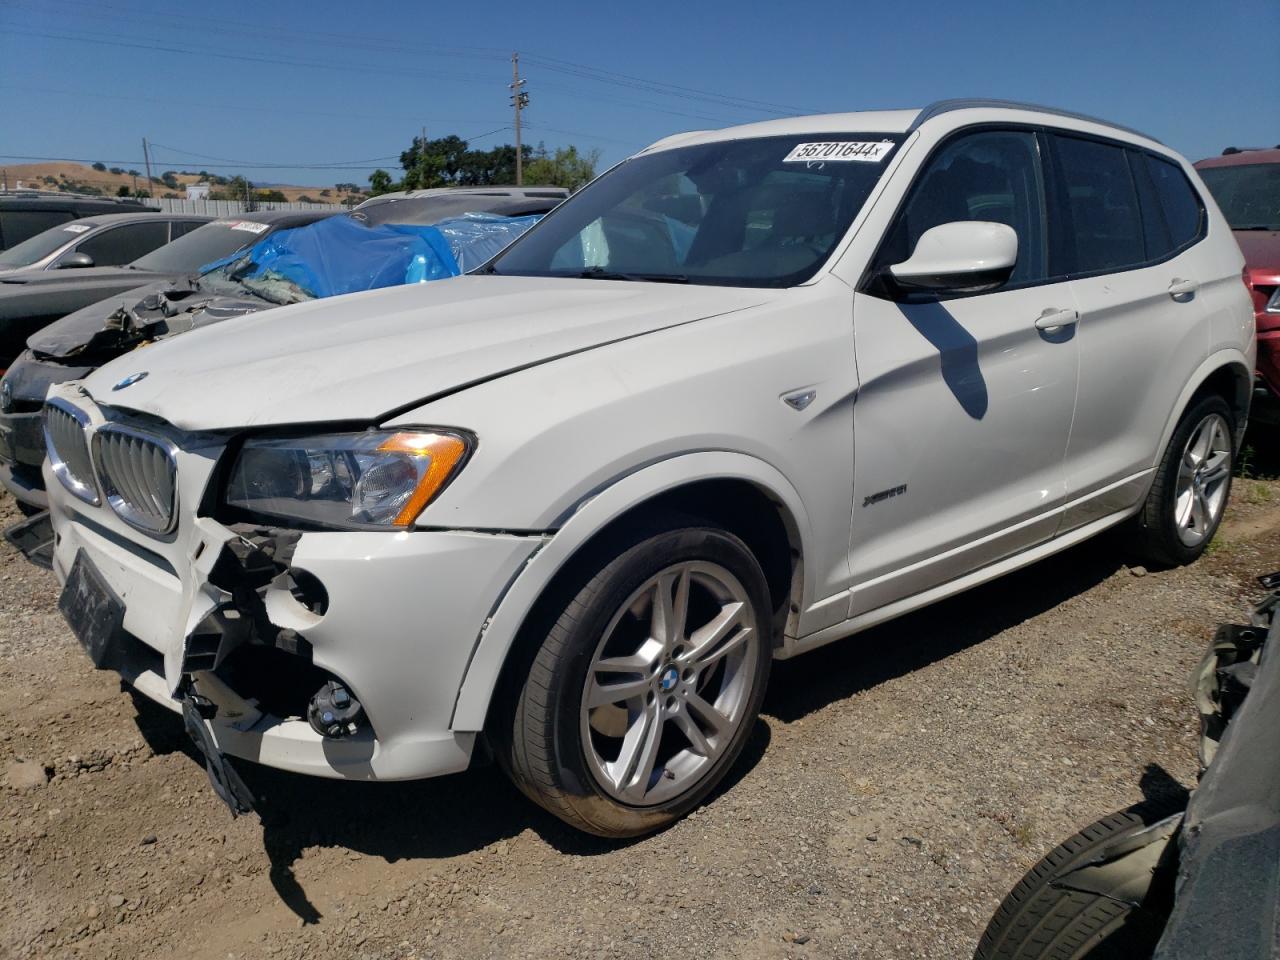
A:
[939,107]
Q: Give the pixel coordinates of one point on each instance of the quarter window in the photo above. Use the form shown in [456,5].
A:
[992,175]
[1179,203]
[1105,231]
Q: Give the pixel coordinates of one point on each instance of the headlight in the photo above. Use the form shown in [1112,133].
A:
[1273,305]
[374,477]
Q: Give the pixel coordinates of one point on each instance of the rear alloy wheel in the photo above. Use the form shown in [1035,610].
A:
[644,691]
[1204,478]
[1192,485]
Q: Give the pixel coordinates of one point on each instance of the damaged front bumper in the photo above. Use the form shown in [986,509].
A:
[254,620]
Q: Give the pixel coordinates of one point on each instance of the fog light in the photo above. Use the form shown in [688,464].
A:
[334,712]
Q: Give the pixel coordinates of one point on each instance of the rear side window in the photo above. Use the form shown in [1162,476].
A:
[1104,231]
[1179,203]
[121,245]
[18,225]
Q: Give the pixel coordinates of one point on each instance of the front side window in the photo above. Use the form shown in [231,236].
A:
[1248,193]
[763,212]
[124,244]
[1104,229]
[990,175]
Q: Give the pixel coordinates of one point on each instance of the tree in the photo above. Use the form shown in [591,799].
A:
[272,196]
[100,167]
[306,199]
[380,182]
[117,170]
[135,173]
[565,168]
[123,191]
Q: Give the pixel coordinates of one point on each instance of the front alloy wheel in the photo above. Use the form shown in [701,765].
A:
[668,686]
[643,692]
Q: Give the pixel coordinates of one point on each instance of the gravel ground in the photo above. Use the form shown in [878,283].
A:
[895,788]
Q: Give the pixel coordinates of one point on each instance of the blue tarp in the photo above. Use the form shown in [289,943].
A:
[340,255]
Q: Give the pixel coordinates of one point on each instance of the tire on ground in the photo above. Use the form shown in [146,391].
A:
[1037,921]
[1154,533]
[536,736]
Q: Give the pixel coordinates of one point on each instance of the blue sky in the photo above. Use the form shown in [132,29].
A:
[319,83]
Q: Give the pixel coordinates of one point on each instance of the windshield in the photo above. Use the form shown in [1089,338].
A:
[1249,194]
[764,212]
[211,242]
[42,244]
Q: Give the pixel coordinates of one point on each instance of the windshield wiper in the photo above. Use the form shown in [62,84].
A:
[599,273]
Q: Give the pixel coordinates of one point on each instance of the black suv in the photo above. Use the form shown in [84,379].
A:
[24,213]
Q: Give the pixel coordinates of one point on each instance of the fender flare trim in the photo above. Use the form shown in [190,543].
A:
[499,632]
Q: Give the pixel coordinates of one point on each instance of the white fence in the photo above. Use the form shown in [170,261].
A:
[229,208]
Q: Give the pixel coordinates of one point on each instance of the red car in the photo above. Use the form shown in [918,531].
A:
[1246,184]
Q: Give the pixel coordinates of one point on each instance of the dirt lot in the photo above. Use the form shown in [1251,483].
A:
[896,787]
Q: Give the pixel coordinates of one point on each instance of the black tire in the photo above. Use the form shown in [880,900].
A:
[538,734]
[1037,921]
[1155,536]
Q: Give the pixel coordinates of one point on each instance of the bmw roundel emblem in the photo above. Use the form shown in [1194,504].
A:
[668,679]
[130,380]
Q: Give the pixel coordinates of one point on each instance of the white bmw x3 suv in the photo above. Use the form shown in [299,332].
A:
[750,391]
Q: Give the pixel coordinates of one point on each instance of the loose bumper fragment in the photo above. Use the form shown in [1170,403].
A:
[33,538]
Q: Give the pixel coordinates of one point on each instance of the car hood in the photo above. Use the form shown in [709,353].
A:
[117,324]
[362,356]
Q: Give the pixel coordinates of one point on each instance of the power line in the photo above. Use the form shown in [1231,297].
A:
[243,166]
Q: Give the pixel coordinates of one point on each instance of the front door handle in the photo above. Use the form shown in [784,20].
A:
[1053,319]
[1183,290]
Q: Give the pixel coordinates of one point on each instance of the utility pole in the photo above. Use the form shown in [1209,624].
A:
[135,184]
[146,156]
[519,100]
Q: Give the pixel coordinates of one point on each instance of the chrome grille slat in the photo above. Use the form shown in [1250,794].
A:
[137,472]
[68,449]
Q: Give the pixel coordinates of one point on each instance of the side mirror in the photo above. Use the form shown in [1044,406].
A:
[73,260]
[966,256]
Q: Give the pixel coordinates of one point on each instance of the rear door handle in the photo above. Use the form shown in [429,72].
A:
[1183,290]
[1053,319]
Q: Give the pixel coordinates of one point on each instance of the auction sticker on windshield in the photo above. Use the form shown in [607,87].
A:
[249,226]
[839,151]
[76,228]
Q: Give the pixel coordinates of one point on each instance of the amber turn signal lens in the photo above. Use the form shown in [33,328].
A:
[444,452]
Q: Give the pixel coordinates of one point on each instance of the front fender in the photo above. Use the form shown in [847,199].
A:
[499,632]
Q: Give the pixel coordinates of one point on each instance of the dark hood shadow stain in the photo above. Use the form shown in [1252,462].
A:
[958,352]
[430,819]
[1158,785]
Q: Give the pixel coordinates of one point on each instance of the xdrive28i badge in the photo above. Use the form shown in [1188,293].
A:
[130,380]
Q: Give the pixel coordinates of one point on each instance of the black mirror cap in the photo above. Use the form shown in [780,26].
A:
[967,283]
[73,260]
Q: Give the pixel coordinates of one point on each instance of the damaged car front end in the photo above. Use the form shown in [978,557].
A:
[278,660]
